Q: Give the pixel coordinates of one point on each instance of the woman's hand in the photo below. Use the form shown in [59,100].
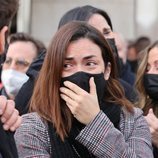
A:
[153,125]
[83,105]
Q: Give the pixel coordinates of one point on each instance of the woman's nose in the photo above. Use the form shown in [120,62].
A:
[80,68]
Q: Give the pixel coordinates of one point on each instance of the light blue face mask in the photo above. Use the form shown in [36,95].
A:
[13,80]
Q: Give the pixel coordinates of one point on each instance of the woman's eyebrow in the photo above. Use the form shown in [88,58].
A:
[88,57]
[69,58]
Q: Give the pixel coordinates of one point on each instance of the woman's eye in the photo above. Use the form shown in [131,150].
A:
[106,33]
[91,63]
[67,65]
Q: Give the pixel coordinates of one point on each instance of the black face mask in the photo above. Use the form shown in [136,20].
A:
[81,79]
[111,42]
[151,85]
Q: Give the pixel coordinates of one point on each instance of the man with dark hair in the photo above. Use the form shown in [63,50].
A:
[9,116]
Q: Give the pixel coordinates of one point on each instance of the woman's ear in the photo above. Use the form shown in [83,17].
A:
[107,71]
[2,38]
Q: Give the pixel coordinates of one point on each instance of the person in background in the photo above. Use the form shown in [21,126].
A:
[134,50]
[22,51]
[79,109]
[9,116]
[147,86]
[127,75]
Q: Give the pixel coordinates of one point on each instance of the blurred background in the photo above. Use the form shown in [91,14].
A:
[131,18]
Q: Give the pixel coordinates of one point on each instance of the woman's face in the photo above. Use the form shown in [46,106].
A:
[152,66]
[84,55]
[99,22]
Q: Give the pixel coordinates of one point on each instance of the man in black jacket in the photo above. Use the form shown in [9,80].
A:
[9,116]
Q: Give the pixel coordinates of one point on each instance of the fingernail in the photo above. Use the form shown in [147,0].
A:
[66,82]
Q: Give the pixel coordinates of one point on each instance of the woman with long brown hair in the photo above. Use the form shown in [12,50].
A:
[78,108]
[147,86]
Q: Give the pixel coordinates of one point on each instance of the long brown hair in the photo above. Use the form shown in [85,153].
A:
[144,101]
[46,96]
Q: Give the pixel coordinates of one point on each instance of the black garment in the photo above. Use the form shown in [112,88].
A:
[7,144]
[68,149]
[23,97]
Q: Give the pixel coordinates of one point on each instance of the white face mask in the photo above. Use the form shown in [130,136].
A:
[13,81]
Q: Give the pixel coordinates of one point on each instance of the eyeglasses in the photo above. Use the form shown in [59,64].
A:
[20,63]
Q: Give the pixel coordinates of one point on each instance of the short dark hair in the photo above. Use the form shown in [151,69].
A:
[8,9]
[23,37]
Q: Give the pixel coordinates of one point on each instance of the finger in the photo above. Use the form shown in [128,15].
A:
[14,116]
[10,107]
[16,124]
[3,102]
[74,88]
[69,93]
[92,86]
